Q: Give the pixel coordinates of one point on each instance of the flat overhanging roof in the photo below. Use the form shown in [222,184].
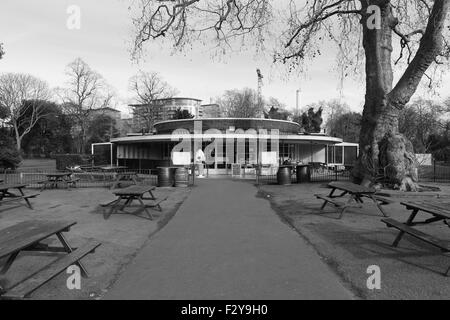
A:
[322,139]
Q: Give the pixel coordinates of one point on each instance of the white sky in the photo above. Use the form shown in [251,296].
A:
[37,41]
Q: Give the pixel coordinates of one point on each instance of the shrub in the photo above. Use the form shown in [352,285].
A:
[9,158]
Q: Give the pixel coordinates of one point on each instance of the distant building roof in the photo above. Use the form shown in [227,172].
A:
[104,109]
[164,99]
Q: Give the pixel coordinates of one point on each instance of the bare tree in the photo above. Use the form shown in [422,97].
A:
[85,91]
[146,87]
[23,97]
[419,120]
[241,104]
[363,31]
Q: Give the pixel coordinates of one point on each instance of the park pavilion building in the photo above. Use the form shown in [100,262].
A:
[226,142]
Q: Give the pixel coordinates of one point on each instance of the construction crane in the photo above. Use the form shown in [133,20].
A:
[260,85]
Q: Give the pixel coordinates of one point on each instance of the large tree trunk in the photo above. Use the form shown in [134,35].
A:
[18,139]
[384,152]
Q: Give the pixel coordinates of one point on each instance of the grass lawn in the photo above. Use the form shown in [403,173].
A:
[359,240]
[38,164]
[122,236]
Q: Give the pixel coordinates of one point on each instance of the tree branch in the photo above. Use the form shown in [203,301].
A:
[430,47]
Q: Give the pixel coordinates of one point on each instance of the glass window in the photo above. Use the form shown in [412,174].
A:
[338,155]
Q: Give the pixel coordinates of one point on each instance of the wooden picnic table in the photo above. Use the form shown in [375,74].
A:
[27,236]
[54,178]
[356,194]
[113,168]
[130,194]
[438,209]
[124,176]
[7,196]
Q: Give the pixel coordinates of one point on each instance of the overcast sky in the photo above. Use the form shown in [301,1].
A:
[37,41]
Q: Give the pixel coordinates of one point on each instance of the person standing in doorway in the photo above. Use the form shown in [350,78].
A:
[199,160]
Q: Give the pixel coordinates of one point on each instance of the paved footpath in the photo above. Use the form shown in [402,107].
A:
[224,243]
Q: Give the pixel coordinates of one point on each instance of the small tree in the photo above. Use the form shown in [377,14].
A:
[277,113]
[311,121]
[23,97]
[2,51]
[277,110]
[9,156]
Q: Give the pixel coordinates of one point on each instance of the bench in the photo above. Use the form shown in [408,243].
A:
[18,198]
[442,245]
[339,204]
[108,203]
[41,277]
[157,204]
[72,182]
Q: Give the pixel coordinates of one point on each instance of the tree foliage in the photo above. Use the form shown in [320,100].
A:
[51,134]
[9,155]
[182,114]
[277,114]
[310,120]
[185,21]
[421,119]
[346,126]
[22,98]
[277,110]
[241,103]
[147,87]
[85,91]
[102,128]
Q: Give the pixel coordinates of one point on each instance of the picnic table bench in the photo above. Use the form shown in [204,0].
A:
[53,179]
[7,196]
[356,194]
[439,210]
[130,194]
[27,236]
[113,168]
[128,176]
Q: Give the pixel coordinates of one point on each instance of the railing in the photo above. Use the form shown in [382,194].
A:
[87,179]
[437,172]
[315,173]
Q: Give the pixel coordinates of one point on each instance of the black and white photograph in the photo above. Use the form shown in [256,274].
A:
[224,155]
